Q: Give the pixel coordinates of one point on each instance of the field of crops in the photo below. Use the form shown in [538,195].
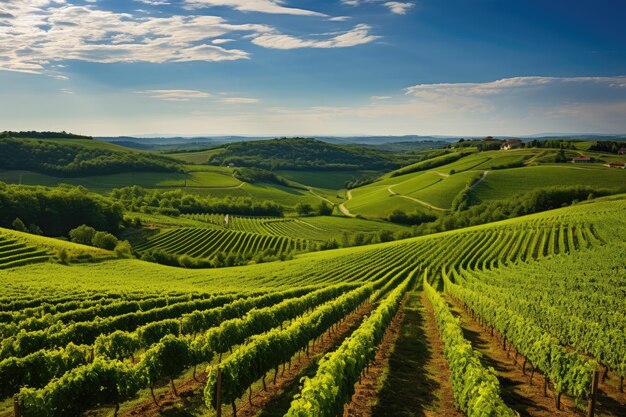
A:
[120,336]
[200,242]
[15,253]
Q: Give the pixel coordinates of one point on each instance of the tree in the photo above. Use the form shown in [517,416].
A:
[104,240]
[123,249]
[82,234]
[304,209]
[325,209]
[34,229]
[19,225]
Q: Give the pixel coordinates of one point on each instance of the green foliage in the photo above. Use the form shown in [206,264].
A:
[123,249]
[301,154]
[304,209]
[324,209]
[139,199]
[104,240]
[71,160]
[476,389]
[118,345]
[41,135]
[19,225]
[83,234]
[101,382]
[430,163]
[415,218]
[325,394]
[254,175]
[57,210]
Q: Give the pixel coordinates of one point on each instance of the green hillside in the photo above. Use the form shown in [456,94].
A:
[302,154]
[492,175]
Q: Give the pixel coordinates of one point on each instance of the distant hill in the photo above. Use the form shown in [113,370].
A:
[77,157]
[302,154]
[41,135]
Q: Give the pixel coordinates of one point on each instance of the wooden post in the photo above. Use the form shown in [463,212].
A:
[594,390]
[17,409]
[218,394]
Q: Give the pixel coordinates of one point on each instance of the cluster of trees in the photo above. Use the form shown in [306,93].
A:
[414,218]
[607,146]
[56,211]
[552,143]
[89,236]
[68,159]
[253,175]
[302,154]
[359,182]
[42,135]
[176,202]
[305,209]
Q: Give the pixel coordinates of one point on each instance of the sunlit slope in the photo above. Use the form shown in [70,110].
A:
[579,227]
[492,175]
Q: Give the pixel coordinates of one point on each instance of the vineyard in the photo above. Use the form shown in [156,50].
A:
[301,337]
[203,242]
[14,253]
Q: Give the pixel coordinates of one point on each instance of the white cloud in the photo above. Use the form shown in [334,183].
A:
[38,34]
[358,35]
[339,18]
[153,2]
[67,91]
[259,6]
[445,90]
[220,41]
[175,95]
[240,100]
[398,7]
[380,98]
[41,32]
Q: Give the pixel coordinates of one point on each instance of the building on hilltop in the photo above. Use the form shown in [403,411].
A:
[512,144]
[616,165]
[581,159]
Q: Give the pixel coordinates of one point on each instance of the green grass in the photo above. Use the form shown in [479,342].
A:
[334,180]
[199,158]
[502,184]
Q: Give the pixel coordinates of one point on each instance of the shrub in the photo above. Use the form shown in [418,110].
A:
[82,234]
[123,249]
[104,240]
[19,225]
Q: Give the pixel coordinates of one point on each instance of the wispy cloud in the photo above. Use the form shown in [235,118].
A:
[358,35]
[240,100]
[259,6]
[175,95]
[398,7]
[154,2]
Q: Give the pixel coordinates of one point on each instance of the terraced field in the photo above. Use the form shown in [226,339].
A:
[255,331]
[15,253]
[204,243]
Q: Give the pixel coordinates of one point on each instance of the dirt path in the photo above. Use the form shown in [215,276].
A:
[423,203]
[526,399]
[321,197]
[418,380]
[481,179]
[268,402]
[343,208]
[366,391]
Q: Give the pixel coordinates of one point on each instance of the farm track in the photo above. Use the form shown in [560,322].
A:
[276,399]
[423,203]
[343,208]
[366,390]
[418,381]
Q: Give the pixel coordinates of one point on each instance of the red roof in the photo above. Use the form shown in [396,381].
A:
[617,164]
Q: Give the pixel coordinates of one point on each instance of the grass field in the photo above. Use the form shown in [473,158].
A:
[436,188]
[334,180]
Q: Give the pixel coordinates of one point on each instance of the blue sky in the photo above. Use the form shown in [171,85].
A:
[313,67]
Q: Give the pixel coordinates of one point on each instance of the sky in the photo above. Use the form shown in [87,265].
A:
[313,67]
